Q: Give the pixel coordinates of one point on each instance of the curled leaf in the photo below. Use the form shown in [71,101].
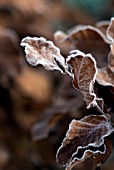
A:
[105,77]
[84,72]
[41,51]
[100,158]
[88,39]
[85,136]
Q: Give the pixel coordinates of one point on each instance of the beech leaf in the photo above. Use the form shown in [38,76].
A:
[85,136]
[105,77]
[88,39]
[84,72]
[41,51]
[100,158]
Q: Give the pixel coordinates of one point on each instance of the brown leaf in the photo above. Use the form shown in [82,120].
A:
[51,117]
[101,158]
[84,72]
[105,77]
[40,51]
[84,153]
[86,134]
[87,39]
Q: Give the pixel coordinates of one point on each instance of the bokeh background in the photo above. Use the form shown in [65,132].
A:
[36,106]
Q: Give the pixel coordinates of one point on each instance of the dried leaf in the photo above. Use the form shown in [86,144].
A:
[101,158]
[40,51]
[105,77]
[53,115]
[87,39]
[88,134]
[84,153]
[42,129]
[84,72]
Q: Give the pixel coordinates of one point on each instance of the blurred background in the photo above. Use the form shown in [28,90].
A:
[36,106]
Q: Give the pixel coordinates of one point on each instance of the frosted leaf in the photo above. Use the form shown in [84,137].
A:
[105,77]
[100,158]
[88,39]
[84,72]
[84,138]
[41,51]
